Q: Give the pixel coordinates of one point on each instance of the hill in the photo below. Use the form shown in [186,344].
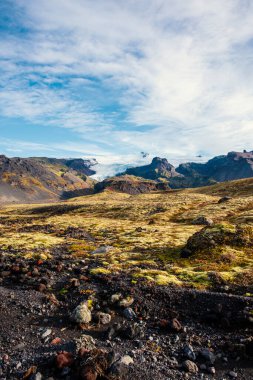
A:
[159,168]
[34,179]
[130,184]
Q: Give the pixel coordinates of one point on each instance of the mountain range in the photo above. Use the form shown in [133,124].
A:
[42,179]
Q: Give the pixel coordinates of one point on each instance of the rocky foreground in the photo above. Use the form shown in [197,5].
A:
[59,322]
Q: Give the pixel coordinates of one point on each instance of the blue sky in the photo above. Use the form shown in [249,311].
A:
[111,78]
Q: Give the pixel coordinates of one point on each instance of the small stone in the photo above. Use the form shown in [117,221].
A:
[129,313]
[126,359]
[224,199]
[211,370]
[126,302]
[81,314]
[232,374]
[74,282]
[42,288]
[189,353]
[56,341]
[5,358]
[85,342]
[203,220]
[207,355]
[132,331]
[103,249]
[38,376]
[175,325]
[104,318]
[46,333]
[116,297]
[19,365]
[190,366]
[64,359]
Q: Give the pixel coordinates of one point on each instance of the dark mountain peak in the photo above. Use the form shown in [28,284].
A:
[240,155]
[234,165]
[159,161]
[81,165]
[159,168]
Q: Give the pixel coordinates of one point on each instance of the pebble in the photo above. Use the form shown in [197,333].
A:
[19,365]
[85,342]
[64,359]
[115,297]
[81,314]
[126,359]
[129,313]
[176,325]
[19,346]
[104,318]
[211,370]
[126,302]
[104,249]
[232,374]
[207,355]
[188,352]
[190,366]
[46,333]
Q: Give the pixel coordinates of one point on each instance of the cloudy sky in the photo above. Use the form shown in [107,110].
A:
[112,78]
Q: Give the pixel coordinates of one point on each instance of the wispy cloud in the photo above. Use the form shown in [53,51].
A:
[172,78]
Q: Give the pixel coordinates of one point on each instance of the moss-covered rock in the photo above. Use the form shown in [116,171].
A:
[211,238]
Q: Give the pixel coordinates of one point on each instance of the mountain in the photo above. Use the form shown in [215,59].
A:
[42,179]
[37,179]
[159,169]
[233,166]
[130,185]
[80,165]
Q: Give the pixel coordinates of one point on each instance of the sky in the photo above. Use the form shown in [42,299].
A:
[112,78]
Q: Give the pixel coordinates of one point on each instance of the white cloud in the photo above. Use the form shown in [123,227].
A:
[183,68]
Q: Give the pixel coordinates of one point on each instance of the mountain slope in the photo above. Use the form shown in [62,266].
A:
[80,165]
[159,168]
[233,166]
[30,179]
[130,185]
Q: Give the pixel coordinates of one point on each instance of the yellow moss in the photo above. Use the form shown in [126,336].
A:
[167,279]
[125,222]
[99,270]
[32,240]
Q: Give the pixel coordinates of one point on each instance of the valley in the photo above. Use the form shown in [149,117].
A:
[170,271]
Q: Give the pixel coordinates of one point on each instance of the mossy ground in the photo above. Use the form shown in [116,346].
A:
[146,232]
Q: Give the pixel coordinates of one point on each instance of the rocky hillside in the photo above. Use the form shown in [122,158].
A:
[130,185]
[32,179]
[233,166]
[80,165]
[159,168]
